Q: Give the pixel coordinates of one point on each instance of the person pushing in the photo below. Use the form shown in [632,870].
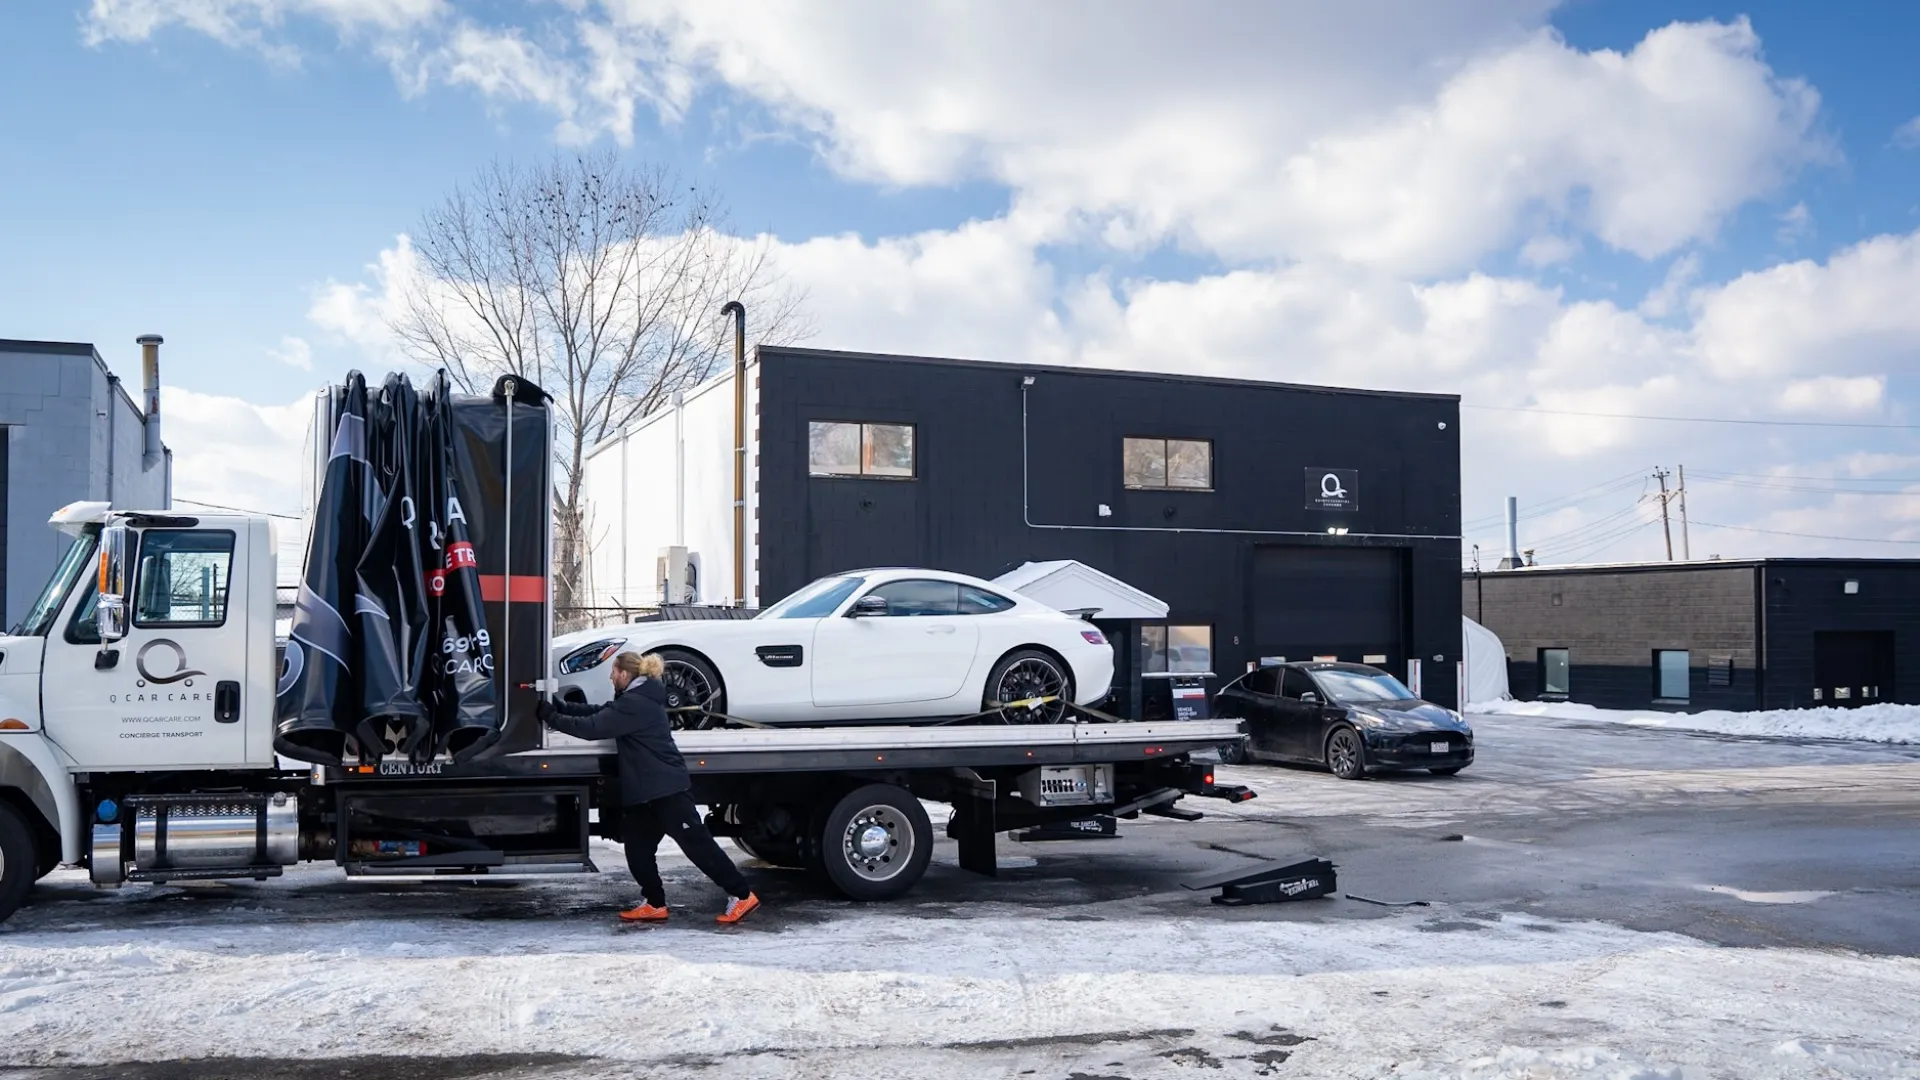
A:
[655,789]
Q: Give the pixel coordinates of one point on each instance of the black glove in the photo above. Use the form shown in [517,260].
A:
[545,711]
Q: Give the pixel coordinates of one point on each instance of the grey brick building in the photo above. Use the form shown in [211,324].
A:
[69,431]
[1760,634]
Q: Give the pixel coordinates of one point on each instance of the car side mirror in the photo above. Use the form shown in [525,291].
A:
[110,610]
[1309,698]
[867,607]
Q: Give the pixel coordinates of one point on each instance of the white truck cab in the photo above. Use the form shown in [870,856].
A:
[172,671]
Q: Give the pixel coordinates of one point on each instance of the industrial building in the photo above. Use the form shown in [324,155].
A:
[1269,520]
[1691,636]
[69,431]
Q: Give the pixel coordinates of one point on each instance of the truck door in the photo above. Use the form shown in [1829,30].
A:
[169,695]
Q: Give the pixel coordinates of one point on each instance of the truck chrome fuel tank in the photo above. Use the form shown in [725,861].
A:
[190,832]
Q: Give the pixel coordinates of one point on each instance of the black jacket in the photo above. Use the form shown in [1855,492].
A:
[636,720]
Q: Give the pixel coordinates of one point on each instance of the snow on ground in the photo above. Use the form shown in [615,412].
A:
[1871,723]
[867,993]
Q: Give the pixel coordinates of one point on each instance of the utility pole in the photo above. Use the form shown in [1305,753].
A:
[1666,521]
[1686,541]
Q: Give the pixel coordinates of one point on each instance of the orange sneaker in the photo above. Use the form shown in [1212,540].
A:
[644,913]
[738,909]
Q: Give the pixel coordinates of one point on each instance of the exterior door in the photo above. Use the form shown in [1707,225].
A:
[1852,668]
[919,651]
[1297,727]
[171,697]
[1256,698]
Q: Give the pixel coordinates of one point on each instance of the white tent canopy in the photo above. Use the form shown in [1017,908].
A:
[1066,585]
[1484,659]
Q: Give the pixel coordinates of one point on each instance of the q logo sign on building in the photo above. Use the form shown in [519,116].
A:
[1333,489]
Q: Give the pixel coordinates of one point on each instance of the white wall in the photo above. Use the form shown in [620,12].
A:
[666,480]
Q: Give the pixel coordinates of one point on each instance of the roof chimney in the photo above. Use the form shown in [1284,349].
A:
[1512,559]
[149,344]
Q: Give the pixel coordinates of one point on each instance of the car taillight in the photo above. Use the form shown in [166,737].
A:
[1094,637]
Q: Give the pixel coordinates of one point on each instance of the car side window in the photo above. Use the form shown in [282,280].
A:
[84,627]
[1261,681]
[1295,684]
[917,597]
[978,601]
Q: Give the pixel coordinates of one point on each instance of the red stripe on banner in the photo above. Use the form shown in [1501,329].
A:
[518,589]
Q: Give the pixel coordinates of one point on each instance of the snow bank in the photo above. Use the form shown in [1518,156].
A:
[1869,723]
[870,993]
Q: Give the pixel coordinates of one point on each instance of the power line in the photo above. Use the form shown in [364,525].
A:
[1756,486]
[1832,479]
[1693,419]
[1807,536]
[1585,495]
[238,510]
[1606,545]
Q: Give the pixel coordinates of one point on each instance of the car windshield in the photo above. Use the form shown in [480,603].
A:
[1362,685]
[815,601]
[78,559]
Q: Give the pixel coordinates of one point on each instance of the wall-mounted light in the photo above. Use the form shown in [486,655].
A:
[1336,530]
[1105,510]
[1851,588]
[1027,381]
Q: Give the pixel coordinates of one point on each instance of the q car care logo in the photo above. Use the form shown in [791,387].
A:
[180,672]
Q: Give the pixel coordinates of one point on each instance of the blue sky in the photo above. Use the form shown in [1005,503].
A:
[1486,204]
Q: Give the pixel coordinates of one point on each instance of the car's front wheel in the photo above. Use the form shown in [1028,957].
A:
[694,690]
[1028,686]
[1346,757]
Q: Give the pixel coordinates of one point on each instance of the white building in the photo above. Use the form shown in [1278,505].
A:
[659,503]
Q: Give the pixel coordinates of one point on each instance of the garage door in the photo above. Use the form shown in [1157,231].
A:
[1344,602]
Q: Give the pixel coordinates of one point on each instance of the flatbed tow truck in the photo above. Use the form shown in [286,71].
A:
[141,731]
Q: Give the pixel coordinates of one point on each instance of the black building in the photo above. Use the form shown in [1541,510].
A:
[1274,520]
[1765,634]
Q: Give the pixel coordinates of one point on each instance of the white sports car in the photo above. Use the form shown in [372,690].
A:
[860,647]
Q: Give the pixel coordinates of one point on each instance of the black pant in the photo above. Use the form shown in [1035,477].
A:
[643,824]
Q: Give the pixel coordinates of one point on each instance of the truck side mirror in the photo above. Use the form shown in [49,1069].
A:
[110,611]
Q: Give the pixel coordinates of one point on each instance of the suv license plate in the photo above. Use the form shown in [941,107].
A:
[1441,748]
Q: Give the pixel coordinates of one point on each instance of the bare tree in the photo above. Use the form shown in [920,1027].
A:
[600,283]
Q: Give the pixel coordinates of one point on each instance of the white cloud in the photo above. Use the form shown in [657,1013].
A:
[236,453]
[1835,394]
[1542,251]
[1855,314]
[1668,297]
[1796,224]
[293,352]
[1907,135]
[1399,136]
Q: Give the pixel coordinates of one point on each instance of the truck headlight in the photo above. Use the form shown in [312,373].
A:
[589,656]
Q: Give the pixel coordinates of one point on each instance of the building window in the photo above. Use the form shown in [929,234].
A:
[884,451]
[1670,668]
[1176,650]
[1180,464]
[183,578]
[1554,671]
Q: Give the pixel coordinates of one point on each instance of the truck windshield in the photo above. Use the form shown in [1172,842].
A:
[815,601]
[78,560]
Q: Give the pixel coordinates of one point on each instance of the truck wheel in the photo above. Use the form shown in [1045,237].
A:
[875,843]
[19,862]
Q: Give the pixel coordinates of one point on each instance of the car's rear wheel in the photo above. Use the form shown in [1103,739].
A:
[1346,757]
[694,690]
[1028,686]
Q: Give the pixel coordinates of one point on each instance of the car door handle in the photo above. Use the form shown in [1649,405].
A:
[939,629]
[226,702]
